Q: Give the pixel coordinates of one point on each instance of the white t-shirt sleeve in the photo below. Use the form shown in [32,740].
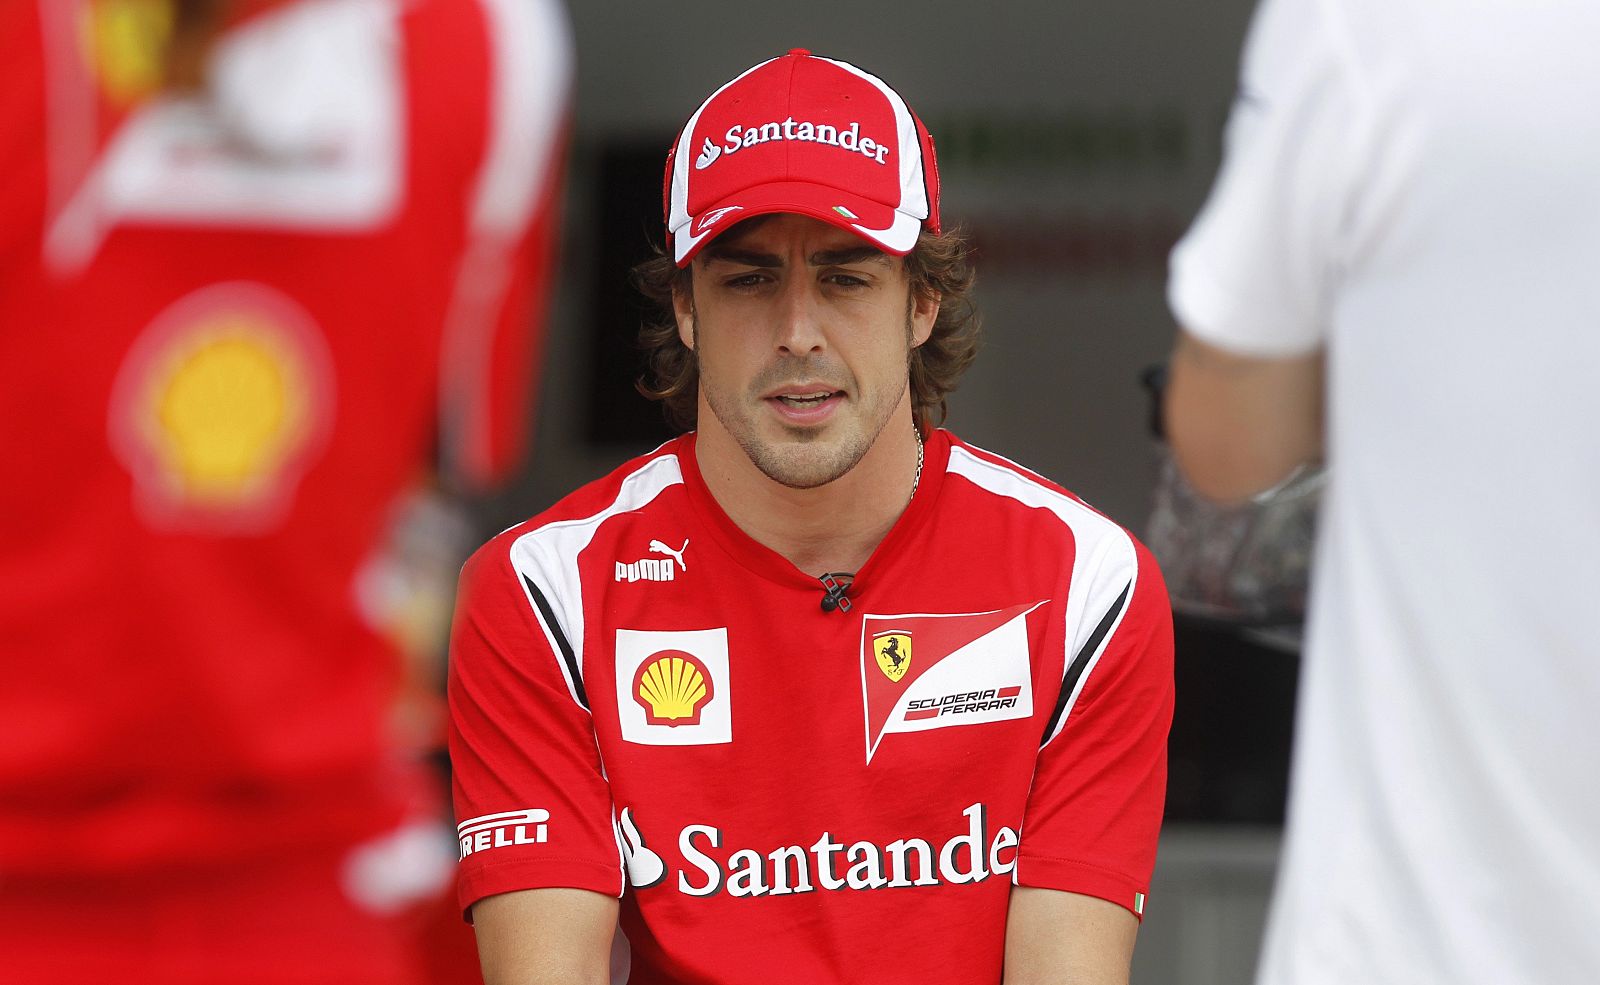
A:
[1254,273]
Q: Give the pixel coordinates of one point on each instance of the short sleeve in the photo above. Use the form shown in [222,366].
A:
[1094,812]
[494,330]
[532,800]
[1255,272]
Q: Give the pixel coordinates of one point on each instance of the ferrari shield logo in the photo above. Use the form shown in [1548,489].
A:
[893,650]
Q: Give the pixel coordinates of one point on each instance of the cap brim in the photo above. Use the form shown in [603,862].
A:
[888,228]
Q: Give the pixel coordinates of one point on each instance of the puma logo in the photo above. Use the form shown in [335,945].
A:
[656,547]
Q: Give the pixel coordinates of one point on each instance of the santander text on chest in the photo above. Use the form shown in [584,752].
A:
[833,866]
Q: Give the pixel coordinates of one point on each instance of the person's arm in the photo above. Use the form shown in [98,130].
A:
[540,872]
[493,333]
[1088,841]
[545,937]
[1057,938]
[1240,424]
[1256,280]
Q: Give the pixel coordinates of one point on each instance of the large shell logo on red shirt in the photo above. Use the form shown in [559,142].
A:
[221,405]
[126,41]
[672,687]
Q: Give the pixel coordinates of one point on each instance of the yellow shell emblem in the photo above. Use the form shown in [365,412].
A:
[893,650]
[228,406]
[222,403]
[126,42]
[672,687]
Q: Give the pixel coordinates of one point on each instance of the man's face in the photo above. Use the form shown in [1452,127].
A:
[803,334]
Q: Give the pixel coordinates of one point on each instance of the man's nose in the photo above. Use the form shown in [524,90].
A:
[800,317]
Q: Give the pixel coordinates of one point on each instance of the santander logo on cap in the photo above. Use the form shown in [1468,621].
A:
[848,138]
[805,134]
[708,156]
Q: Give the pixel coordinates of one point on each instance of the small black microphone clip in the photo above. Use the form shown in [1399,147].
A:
[833,595]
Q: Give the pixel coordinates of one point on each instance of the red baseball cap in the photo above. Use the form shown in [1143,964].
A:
[807,134]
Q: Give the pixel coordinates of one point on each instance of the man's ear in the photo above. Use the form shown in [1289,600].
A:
[924,312]
[683,311]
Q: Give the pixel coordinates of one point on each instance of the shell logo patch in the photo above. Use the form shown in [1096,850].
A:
[673,688]
[893,650]
[126,41]
[220,406]
[972,668]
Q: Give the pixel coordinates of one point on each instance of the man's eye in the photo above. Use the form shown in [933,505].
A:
[746,280]
[846,280]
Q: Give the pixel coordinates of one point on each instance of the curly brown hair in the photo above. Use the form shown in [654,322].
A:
[939,267]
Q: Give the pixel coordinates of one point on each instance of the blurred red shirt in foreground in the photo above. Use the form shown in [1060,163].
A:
[237,325]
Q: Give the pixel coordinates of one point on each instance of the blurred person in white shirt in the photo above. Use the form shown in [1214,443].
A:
[1396,269]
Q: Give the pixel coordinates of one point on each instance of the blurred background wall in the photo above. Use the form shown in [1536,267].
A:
[1076,141]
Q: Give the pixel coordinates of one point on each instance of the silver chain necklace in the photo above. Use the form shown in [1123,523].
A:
[834,596]
[916,480]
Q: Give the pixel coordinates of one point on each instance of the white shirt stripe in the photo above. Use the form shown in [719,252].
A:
[1104,562]
[548,556]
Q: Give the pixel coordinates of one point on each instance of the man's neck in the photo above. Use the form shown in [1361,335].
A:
[830,528]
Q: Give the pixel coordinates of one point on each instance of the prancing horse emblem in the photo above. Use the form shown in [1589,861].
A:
[893,650]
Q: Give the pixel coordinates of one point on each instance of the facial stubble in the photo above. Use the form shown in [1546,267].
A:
[807,461]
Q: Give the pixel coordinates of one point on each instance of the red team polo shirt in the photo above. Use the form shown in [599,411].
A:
[233,332]
[649,704]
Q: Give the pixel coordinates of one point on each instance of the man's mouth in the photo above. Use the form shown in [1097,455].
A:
[806,404]
[804,400]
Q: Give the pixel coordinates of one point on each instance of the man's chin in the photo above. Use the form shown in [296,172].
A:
[807,462]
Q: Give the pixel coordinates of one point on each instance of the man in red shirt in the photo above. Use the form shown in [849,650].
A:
[816,692]
[241,312]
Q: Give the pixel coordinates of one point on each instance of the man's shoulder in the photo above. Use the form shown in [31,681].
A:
[575,519]
[1004,479]
[1000,483]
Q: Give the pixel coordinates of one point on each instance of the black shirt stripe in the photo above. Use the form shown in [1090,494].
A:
[1069,682]
[567,655]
